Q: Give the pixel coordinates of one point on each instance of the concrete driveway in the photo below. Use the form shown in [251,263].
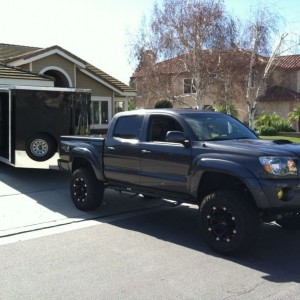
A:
[33,200]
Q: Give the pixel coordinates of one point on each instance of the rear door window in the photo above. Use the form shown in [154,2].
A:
[128,127]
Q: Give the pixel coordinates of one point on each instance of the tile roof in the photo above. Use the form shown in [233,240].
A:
[109,79]
[177,65]
[8,72]
[10,53]
[279,93]
[288,61]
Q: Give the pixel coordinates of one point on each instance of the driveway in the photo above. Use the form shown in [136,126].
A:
[32,200]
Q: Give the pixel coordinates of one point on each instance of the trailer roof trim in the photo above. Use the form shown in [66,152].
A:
[25,87]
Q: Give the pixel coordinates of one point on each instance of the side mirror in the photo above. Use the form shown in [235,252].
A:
[177,137]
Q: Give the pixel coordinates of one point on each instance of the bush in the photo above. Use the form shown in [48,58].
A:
[268,124]
[284,125]
[266,130]
[163,103]
[226,108]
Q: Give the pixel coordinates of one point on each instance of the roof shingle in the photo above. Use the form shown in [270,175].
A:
[16,73]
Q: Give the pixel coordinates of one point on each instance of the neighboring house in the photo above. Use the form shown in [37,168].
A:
[283,93]
[170,80]
[55,66]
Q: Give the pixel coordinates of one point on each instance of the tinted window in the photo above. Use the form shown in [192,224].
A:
[128,127]
[160,125]
[217,127]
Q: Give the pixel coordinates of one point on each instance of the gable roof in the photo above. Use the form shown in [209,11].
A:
[19,55]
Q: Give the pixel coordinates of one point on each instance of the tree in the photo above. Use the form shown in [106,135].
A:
[263,24]
[227,108]
[188,30]
[294,115]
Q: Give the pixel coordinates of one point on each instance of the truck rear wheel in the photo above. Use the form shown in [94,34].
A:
[86,191]
[229,223]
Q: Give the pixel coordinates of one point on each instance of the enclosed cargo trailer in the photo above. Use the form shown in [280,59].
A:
[33,118]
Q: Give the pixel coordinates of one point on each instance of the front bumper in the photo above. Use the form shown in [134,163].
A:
[281,194]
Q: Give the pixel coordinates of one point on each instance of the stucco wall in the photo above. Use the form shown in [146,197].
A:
[98,89]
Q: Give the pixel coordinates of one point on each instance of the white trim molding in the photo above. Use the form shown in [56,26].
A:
[22,61]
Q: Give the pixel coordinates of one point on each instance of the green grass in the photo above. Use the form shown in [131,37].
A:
[277,137]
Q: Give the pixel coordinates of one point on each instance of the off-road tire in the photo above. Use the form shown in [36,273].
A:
[229,222]
[86,191]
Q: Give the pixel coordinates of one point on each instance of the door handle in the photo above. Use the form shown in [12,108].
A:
[146,151]
[111,148]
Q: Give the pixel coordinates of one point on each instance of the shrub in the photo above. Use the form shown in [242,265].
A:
[266,130]
[226,108]
[267,124]
[163,103]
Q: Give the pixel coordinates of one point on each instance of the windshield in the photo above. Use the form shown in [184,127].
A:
[212,127]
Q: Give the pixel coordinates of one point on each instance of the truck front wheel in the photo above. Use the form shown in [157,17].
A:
[229,223]
[86,191]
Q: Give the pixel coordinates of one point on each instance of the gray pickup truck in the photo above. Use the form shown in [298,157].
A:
[205,158]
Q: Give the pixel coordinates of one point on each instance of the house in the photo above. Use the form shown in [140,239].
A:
[55,66]
[171,80]
[283,93]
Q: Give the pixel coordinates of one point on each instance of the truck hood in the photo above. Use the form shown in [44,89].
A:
[255,147]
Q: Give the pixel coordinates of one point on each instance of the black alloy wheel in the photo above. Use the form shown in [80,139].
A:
[86,191]
[229,221]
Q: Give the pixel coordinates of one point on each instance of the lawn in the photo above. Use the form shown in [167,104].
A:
[277,137]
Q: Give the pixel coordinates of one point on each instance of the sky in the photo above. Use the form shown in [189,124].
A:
[98,31]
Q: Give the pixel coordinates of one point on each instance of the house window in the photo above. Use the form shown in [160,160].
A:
[188,86]
[100,112]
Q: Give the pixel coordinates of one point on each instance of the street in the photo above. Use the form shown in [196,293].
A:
[130,248]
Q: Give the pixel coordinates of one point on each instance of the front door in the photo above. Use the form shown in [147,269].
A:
[164,165]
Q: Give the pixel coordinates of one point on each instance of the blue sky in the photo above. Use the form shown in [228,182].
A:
[97,30]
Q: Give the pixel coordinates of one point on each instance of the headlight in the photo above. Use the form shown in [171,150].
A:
[278,165]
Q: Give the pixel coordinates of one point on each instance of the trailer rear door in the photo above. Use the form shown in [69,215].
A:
[4,125]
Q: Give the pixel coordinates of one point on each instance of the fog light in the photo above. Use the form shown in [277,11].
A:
[280,194]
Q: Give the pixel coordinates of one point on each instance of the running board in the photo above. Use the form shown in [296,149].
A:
[172,203]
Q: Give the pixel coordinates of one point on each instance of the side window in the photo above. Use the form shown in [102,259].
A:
[159,126]
[128,127]
[188,86]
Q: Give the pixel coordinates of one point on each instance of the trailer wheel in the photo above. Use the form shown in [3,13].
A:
[40,147]
[86,191]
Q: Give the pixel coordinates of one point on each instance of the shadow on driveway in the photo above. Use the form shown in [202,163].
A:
[38,197]
[276,252]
